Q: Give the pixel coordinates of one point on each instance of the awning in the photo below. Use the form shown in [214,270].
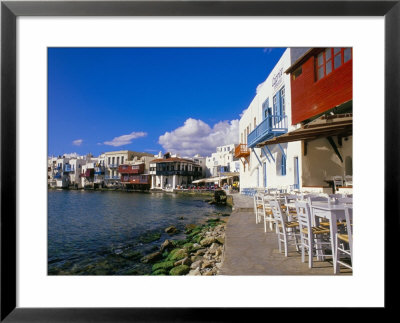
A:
[325,126]
[215,179]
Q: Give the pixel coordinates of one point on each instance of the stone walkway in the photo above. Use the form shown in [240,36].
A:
[251,251]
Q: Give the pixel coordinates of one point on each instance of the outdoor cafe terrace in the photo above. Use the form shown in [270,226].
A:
[272,233]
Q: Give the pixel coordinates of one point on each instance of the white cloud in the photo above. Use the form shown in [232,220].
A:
[197,137]
[77,142]
[125,139]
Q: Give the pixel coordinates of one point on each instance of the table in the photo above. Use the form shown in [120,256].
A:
[332,212]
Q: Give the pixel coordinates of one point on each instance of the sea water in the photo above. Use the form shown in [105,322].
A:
[108,232]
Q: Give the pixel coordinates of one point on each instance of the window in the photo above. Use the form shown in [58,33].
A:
[255,122]
[113,160]
[279,104]
[330,59]
[283,166]
[241,138]
[122,159]
[109,160]
[265,107]
[117,160]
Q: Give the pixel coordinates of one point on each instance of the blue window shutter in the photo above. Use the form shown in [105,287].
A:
[279,103]
[283,165]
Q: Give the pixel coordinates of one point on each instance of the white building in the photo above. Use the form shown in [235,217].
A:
[268,116]
[114,159]
[171,171]
[222,161]
[73,170]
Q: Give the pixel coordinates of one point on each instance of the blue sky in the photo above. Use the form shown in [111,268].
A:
[183,100]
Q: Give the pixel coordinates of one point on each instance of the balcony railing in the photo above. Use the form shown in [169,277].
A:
[112,177]
[136,179]
[68,168]
[58,176]
[113,165]
[178,172]
[271,126]
[99,170]
[131,169]
[241,150]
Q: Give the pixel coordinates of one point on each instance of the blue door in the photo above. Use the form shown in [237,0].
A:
[296,173]
[265,174]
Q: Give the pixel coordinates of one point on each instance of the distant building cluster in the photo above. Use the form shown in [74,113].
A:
[138,170]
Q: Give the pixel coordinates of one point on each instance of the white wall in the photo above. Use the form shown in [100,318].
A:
[252,175]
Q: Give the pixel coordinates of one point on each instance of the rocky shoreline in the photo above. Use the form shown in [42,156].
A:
[199,254]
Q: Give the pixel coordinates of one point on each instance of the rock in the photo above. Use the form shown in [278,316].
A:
[207,241]
[163,265]
[150,237]
[177,254]
[132,255]
[200,252]
[206,264]
[184,261]
[188,246]
[196,264]
[179,270]
[195,272]
[153,257]
[181,218]
[159,272]
[167,244]
[190,227]
[221,239]
[171,230]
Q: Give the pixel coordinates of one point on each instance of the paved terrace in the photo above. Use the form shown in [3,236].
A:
[251,251]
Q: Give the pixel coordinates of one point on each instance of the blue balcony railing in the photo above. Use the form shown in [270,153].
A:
[68,168]
[112,177]
[271,126]
[58,176]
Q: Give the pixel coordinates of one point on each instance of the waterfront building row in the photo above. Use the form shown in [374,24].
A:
[125,169]
[297,131]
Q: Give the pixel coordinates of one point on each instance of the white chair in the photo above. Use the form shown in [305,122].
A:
[290,207]
[285,230]
[344,200]
[349,180]
[344,243]
[268,215]
[258,206]
[337,181]
[312,237]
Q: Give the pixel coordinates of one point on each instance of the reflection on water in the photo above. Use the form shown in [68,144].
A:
[106,233]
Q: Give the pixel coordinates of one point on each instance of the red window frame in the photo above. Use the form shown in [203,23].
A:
[330,60]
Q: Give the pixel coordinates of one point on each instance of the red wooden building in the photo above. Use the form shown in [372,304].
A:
[321,80]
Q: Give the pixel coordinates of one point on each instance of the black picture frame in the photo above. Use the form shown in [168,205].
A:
[10,10]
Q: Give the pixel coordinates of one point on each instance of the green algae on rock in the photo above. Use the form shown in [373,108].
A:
[179,270]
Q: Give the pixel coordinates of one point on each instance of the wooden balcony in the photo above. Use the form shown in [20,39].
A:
[136,179]
[241,150]
[131,169]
